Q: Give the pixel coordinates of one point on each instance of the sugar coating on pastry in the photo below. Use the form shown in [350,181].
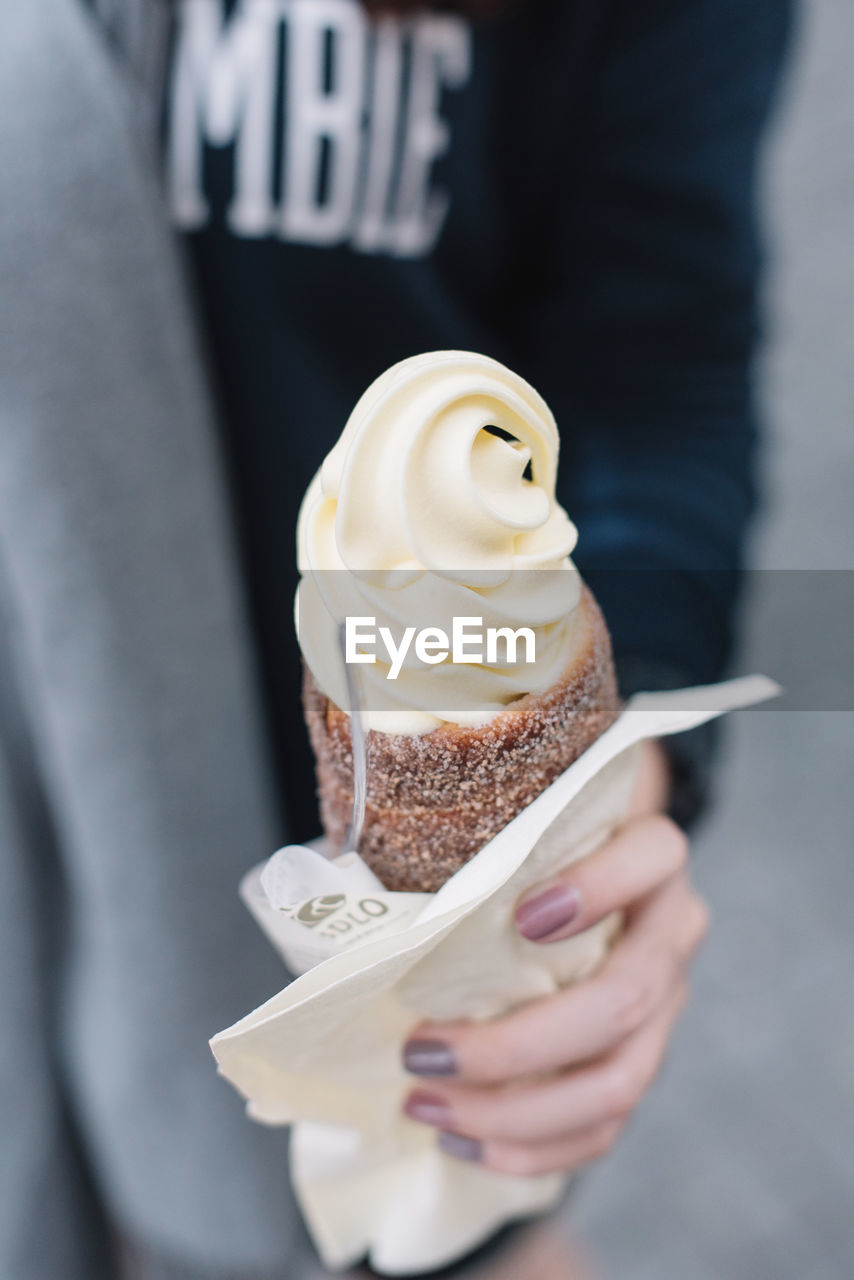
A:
[434,800]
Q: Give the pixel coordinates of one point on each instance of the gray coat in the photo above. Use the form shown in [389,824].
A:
[134,785]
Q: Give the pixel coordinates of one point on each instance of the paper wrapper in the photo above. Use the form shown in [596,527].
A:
[325,1053]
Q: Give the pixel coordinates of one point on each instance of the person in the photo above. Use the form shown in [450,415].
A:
[569,187]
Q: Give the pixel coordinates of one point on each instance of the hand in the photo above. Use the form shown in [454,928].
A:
[551,1085]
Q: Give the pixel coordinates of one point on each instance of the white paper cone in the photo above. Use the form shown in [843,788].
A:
[325,1053]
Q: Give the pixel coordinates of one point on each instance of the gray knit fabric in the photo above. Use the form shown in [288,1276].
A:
[133,785]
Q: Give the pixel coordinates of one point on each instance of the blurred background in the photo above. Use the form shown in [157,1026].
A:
[745,1150]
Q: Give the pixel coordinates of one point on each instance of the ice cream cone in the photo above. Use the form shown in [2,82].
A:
[439,496]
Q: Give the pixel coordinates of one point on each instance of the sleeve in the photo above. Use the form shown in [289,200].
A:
[50,1221]
[653,328]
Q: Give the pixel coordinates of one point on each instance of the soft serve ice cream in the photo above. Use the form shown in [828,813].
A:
[438,503]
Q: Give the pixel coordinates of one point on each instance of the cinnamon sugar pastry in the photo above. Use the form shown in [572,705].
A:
[438,501]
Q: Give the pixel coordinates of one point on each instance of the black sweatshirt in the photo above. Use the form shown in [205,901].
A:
[568,187]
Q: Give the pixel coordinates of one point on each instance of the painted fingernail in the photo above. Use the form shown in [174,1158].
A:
[429,1108]
[429,1058]
[454,1144]
[547,912]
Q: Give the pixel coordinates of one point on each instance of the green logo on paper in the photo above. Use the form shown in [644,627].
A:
[316,910]
[355,916]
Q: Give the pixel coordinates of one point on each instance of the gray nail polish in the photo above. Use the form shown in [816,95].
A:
[428,1108]
[429,1058]
[548,912]
[454,1144]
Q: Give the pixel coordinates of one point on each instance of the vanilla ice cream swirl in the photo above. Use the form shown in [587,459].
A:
[438,501]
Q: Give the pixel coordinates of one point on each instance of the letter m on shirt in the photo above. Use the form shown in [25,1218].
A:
[223,91]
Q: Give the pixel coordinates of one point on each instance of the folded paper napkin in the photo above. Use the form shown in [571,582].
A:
[325,1053]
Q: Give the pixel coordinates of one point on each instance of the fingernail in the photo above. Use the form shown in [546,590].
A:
[429,1058]
[547,912]
[429,1108]
[454,1144]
